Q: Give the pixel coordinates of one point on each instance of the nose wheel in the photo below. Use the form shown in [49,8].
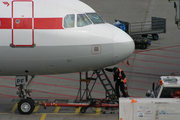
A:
[83,109]
[26,106]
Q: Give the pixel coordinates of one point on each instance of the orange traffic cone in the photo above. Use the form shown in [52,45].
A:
[127,62]
[133,101]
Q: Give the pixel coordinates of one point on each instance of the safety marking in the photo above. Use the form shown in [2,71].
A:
[36,109]
[15,100]
[3,113]
[57,109]
[38,101]
[6,3]
[14,108]
[43,117]
[59,101]
[77,110]
[70,114]
[98,111]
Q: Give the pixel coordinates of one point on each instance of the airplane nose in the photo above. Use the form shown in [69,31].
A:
[123,46]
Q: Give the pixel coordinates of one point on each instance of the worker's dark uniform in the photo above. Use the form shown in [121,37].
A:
[118,83]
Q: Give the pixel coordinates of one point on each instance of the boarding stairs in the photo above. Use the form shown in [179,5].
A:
[90,81]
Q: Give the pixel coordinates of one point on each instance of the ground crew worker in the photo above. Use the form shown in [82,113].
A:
[176,94]
[120,79]
[172,74]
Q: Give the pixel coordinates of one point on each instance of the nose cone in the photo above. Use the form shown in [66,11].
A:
[123,46]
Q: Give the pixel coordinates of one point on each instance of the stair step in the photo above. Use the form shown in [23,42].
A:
[103,79]
[106,84]
[109,90]
[92,78]
[101,74]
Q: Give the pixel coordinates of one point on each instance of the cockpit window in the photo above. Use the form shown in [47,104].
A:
[95,18]
[82,20]
[69,21]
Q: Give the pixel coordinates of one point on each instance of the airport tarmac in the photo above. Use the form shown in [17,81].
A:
[162,57]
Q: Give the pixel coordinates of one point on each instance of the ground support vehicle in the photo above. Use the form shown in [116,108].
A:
[143,30]
[149,109]
[163,104]
[141,42]
[167,87]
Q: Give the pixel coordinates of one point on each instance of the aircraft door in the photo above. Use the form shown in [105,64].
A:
[23,23]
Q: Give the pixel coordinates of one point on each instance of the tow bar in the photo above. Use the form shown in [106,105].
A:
[84,106]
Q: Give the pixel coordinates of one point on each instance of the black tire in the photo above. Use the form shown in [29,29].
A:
[83,110]
[26,106]
[30,99]
[155,36]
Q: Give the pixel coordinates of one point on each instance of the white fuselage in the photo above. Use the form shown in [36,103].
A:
[34,39]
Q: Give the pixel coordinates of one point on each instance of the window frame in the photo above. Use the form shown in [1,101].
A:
[74,21]
[99,17]
[86,17]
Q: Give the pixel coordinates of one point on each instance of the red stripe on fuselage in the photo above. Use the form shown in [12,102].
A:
[48,23]
[5,23]
[26,23]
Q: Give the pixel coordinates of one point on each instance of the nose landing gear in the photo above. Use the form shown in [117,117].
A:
[26,104]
